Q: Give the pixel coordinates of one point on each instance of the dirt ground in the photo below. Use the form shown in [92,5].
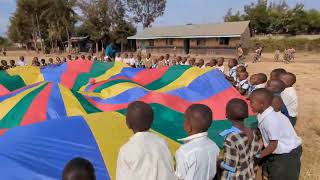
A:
[307,69]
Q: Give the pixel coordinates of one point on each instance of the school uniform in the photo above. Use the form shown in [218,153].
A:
[239,153]
[196,159]
[233,72]
[254,87]
[220,68]
[284,162]
[161,64]
[244,84]
[118,59]
[21,63]
[148,63]
[167,62]
[290,99]
[145,157]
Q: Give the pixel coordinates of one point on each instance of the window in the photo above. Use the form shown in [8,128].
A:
[169,42]
[151,42]
[224,41]
[201,42]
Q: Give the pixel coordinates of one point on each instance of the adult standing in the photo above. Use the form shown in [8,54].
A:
[240,54]
[111,51]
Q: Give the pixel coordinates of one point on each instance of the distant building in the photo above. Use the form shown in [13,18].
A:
[221,38]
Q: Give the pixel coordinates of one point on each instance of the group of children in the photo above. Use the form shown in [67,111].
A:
[158,62]
[274,145]
[288,55]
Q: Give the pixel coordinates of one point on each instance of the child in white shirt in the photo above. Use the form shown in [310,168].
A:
[118,58]
[282,145]
[145,156]
[289,96]
[220,63]
[196,159]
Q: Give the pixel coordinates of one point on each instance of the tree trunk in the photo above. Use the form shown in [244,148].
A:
[97,48]
[69,43]
[39,33]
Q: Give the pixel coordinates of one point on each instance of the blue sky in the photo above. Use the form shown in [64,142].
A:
[177,11]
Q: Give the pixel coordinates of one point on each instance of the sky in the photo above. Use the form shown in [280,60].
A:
[178,12]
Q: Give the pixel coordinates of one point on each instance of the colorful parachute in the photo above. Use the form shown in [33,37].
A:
[78,109]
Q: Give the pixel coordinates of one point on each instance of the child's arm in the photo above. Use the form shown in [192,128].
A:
[269,149]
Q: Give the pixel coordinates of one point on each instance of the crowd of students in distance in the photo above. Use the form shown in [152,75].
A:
[274,145]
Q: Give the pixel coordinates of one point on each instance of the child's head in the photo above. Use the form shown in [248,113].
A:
[126,55]
[12,62]
[138,58]
[213,62]
[69,57]
[289,79]
[260,100]
[184,60]
[79,169]
[179,59]
[276,73]
[237,110]
[51,60]
[4,63]
[161,58]
[240,69]
[58,60]
[64,59]
[275,86]
[89,58]
[43,61]
[167,56]
[243,75]
[192,61]
[118,55]
[200,62]
[220,61]
[83,57]
[76,57]
[174,62]
[139,116]
[198,119]
[149,55]
[232,63]
[131,55]
[21,58]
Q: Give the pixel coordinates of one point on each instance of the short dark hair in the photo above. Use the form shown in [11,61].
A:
[277,72]
[242,68]
[139,116]
[237,109]
[292,77]
[234,61]
[277,85]
[200,117]
[262,77]
[263,94]
[79,169]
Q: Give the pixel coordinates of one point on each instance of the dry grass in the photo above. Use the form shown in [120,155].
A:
[307,69]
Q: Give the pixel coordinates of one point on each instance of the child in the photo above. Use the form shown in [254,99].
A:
[212,63]
[12,63]
[79,169]
[289,96]
[257,81]
[201,64]
[138,63]
[243,84]
[179,60]
[76,58]
[64,60]
[118,58]
[35,62]
[148,61]
[50,62]
[220,63]
[276,73]
[43,63]
[89,58]
[282,145]
[126,58]
[196,159]
[21,61]
[161,63]
[232,64]
[167,60]
[4,65]
[184,61]
[241,144]
[145,156]
[131,60]
[69,58]
[82,58]
[192,62]
[59,60]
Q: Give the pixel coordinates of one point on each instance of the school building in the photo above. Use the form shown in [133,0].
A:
[210,39]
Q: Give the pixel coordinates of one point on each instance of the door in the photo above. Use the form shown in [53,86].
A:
[186,46]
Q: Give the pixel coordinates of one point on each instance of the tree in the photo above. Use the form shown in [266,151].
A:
[229,17]
[146,11]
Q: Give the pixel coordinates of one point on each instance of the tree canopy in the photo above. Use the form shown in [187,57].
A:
[278,18]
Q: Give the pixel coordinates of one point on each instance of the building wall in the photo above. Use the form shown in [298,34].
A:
[245,40]
[212,46]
